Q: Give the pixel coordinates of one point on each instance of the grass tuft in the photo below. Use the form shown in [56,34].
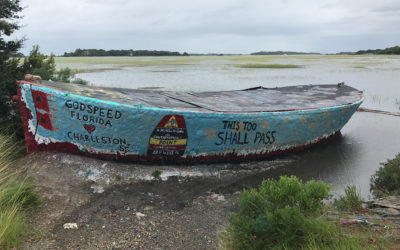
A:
[17,194]
[268,66]
[351,201]
[11,227]
[20,192]
[156,174]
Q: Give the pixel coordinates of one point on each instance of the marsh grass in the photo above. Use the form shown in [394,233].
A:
[11,227]
[342,239]
[269,58]
[94,70]
[376,99]
[17,195]
[251,58]
[268,66]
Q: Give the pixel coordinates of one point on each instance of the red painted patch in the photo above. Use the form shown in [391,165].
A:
[89,127]
[44,120]
[40,100]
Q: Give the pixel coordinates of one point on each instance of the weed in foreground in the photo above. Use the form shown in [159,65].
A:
[350,201]
[17,195]
[11,227]
[156,174]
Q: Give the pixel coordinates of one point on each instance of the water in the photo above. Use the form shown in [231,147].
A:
[377,76]
[350,159]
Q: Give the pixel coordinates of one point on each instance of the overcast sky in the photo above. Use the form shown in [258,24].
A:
[221,26]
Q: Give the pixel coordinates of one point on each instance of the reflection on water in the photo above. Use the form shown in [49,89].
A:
[348,159]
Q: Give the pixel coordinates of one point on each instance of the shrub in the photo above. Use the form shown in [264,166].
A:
[80,81]
[386,180]
[351,201]
[280,214]
[39,64]
[11,70]
[63,75]
[67,75]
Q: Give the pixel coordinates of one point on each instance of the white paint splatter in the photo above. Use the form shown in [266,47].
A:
[97,189]
[70,226]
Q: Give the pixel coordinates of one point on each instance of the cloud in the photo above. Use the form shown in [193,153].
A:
[210,26]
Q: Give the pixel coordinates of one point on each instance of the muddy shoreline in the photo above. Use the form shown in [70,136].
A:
[120,205]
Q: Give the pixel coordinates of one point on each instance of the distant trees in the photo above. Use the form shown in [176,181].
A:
[388,51]
[282,53]
[130,52]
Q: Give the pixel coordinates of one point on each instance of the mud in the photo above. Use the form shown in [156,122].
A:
[121,205]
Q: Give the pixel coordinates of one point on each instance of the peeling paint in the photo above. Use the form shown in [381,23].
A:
[326,113]
[265,124]
[210,133]
[302,119]
[312,126]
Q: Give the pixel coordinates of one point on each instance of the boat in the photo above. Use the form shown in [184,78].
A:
[181,127]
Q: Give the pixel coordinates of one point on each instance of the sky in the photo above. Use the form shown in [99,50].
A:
[210,26]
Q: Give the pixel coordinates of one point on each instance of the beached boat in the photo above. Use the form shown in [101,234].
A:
[167,126]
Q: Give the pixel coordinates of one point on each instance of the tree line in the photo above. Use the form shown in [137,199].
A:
[388,51]
[129,52]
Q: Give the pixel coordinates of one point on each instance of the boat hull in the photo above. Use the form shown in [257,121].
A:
[56,120]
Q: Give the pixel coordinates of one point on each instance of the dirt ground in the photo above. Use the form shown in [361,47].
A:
[115,205]
[123,206]
[151,215]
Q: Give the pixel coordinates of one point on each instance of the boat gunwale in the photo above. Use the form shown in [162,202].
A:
[60,92]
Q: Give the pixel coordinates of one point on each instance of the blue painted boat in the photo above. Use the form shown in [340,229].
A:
[167,126]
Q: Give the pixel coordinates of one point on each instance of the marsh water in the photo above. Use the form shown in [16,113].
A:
[349,159]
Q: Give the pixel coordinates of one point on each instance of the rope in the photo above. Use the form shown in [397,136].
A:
[378,111]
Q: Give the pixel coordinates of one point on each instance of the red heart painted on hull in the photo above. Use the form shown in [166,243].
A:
[89,128]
